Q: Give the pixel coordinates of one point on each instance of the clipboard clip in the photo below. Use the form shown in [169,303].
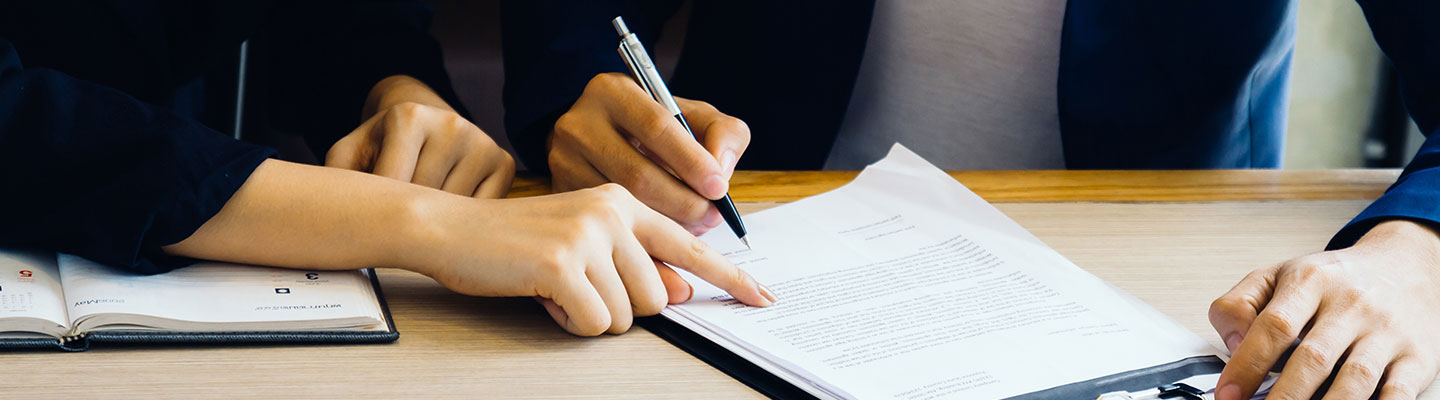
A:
[1176,391]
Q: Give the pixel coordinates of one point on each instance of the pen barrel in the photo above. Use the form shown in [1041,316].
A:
[645,71]
[731,215]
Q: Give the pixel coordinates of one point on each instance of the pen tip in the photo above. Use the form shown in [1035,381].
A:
[746,242]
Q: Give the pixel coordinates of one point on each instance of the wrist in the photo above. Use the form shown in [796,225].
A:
[417,231]
[1414,237]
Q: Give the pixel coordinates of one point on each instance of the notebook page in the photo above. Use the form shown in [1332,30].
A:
[212,292]
[905,285]
[30,294]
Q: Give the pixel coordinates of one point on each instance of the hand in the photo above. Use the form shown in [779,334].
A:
[414,137]
[589,256]
[616,133]
[1367,314]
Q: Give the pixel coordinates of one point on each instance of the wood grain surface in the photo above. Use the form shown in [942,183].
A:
[1061,186]
[1170,243]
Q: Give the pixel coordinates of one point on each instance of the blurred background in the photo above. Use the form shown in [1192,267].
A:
[1345,110]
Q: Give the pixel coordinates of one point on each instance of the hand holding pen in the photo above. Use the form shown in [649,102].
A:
[616,132]
[647,75]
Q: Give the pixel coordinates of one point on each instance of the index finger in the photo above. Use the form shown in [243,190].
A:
[1232,313]
[637,114]
[345,153]
[399,149]
[668,242]
[1297,297]
[724,136]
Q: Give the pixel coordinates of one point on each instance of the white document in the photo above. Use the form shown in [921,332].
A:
[905,285]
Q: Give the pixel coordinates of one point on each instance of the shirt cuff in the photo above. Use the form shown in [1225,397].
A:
[1415,197]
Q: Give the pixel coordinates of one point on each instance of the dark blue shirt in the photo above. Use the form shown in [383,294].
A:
[1407,33]
[1143,84]
[100,153]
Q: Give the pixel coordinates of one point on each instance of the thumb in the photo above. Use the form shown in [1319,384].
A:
[1232,313]
[677,289]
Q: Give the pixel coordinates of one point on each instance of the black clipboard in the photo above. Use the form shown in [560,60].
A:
[776,388]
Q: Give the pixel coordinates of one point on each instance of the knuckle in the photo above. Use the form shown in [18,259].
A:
[1314,357]
[1307,272]
[557,161]
[407,109]
[507,162]
[554,264]
[1382,321]
[738,127]
[653,126]
[632,177]
[609,191]
[459,124]
[608,80]
[601,212]
[340,148]
[694,206]
[1350,295]
[1227,305]
[586,228]
[1362,372]
[695,250]
[604,85]
[1277,325]
[1398,390]
[567,125]
[478,142]
[606,215]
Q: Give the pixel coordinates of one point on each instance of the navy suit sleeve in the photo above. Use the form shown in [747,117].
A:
[89,170]
[1407,34]
[324,57]
[552,49]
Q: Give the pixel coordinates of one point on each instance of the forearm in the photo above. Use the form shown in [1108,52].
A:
[299,216]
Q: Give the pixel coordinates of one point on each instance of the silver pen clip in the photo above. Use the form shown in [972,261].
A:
[643,69]
[629,56]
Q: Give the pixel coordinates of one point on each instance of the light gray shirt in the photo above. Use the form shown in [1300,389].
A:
[968,84]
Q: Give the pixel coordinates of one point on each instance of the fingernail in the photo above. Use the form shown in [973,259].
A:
[712,218]
[765,291]
[714,186]
[1233,342]
[692,292]
[727,161]
[1229,392]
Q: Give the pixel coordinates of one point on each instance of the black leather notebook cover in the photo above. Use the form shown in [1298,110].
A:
[131,338]
[772,386]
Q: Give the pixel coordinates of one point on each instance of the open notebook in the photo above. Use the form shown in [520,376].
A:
[905,285]
[49,300]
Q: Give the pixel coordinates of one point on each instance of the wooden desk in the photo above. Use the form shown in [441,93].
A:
[1174,239]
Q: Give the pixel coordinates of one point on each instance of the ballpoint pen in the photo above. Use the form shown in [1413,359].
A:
[648,77]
